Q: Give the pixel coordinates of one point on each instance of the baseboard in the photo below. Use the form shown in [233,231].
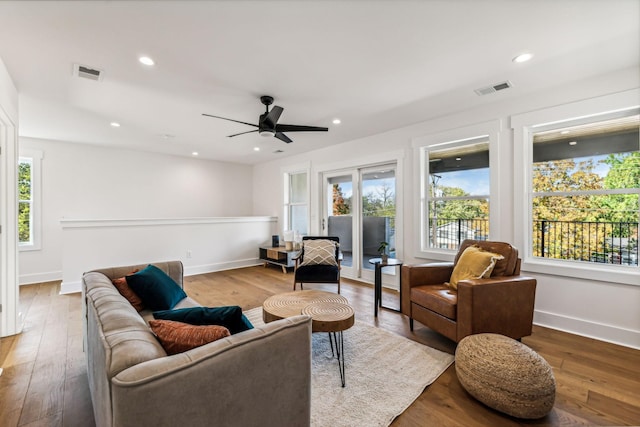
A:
[76,286]
[70,287]
[586,328]
[51,276]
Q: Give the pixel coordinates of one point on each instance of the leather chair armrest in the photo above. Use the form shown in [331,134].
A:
[421,274]
[499,304]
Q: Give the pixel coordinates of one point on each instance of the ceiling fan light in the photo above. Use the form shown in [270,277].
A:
[267,133]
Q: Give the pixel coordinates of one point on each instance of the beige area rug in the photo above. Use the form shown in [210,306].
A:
[384,374]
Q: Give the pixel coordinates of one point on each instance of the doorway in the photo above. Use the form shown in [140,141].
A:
[360,207]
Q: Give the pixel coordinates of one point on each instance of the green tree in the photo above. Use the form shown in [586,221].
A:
[24,204]
[624,173]
[460,209]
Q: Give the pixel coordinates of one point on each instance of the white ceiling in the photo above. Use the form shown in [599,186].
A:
[377,65]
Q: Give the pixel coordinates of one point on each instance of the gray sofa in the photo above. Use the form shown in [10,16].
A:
[260,377]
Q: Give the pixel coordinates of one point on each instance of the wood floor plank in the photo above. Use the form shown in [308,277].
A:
[624,412]
[45,381]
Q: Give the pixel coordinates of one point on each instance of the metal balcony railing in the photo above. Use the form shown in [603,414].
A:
[599,242]
[602,242]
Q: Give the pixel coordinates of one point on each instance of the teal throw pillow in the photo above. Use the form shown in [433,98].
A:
[155,288]
[230,317]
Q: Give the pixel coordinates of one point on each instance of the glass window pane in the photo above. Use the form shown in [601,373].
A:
[579,163]
[24,222]
[460,170]
[24,179]
[298,188]
[298,216]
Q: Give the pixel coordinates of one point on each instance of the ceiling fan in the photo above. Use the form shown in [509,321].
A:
[268,123]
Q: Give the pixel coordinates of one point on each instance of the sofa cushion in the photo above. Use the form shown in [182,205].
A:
[474,263]
[230,317]
[319,252]
[437,298]
[157,290]
[125,290]
[178,337]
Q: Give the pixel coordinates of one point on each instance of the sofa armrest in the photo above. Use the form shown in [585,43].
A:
[257,377]
[421,274]
[501,305]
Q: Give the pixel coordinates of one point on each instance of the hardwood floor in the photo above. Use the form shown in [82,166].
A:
[44,379]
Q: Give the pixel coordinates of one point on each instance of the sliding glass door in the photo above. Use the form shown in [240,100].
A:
[360,208]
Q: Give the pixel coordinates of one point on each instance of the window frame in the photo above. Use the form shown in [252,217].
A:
[35,157]
[452,138]
[287,204]
[524,126]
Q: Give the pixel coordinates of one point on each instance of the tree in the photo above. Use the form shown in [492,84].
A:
[24,204]
[341,206]
[462,208]
[565,176]
[624,173]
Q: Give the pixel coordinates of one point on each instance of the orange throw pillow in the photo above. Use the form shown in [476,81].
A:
[177,337]
[124,289]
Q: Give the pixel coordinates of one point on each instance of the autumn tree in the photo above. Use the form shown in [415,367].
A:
[341,206]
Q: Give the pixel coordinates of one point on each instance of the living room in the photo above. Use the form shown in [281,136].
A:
[105,202]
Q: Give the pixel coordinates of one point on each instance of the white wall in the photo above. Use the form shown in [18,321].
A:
[83,182]
[604,310]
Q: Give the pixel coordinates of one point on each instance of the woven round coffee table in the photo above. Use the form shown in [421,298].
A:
[329,313]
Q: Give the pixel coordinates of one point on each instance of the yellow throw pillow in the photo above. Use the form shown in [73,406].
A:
[474,263]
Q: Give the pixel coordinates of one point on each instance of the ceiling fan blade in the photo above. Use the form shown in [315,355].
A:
[242,133]
[272,117]
[297,128]
[231,120]
[282,137]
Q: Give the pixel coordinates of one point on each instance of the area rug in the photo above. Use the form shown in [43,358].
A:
[384,374]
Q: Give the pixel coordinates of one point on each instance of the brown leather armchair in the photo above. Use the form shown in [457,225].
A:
[501,304]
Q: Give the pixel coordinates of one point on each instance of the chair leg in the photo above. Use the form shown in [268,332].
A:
[411,324]
[338,286]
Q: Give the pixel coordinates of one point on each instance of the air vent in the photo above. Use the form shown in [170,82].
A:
[87,72]
[493,88]
[278,152]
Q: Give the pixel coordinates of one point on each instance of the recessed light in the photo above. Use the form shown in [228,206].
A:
[167,136]
[564,132]
[523,57]
[256,148]
[195,153]
[337,121]
[146,60]
[458,158]
[573,143]
[115,124]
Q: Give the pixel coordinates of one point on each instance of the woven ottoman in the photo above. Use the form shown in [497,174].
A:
[506,375]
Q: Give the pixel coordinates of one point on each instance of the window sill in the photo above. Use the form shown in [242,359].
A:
[438,255]
[28,248]
[627,275]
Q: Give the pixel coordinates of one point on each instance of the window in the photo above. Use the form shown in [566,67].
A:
[585,191]
[28,200]
[296,209]
[455,188]
[577,199]
[457,199]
